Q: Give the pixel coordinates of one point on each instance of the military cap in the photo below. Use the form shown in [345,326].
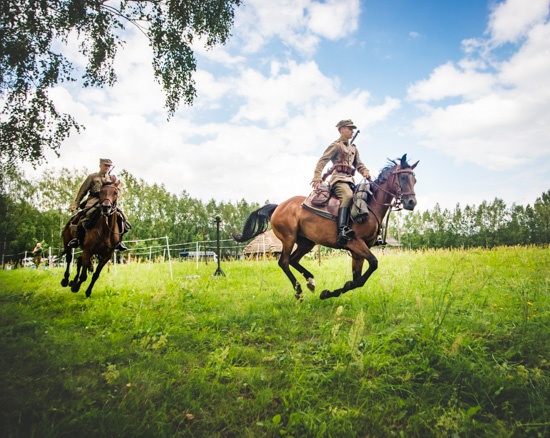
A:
[105,161]
[347,122]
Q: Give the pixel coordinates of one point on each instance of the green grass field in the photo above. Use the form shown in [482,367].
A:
[437,343]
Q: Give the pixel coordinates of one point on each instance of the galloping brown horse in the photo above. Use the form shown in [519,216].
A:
[100,241]
[294,224]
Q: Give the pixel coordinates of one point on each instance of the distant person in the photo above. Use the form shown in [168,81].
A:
[346,161]
[37,254]
[90,208]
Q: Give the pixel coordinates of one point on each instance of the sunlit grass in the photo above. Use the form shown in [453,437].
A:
[437,343]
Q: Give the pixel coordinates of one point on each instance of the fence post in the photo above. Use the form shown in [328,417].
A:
[169,258]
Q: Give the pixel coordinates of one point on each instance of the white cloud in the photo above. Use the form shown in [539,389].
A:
[529,67]
[511,20]
[334,19]
[450,80]
[298,24]
[498,116]
[276,98]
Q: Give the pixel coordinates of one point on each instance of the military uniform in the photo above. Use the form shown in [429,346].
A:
[91,187]
[37,252]
[346,161]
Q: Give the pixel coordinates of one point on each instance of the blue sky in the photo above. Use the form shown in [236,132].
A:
[460,85]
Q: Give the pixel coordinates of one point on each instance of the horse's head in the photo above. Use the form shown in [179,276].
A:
[108,196]
[404,182]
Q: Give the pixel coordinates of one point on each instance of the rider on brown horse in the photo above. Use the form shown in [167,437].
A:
[91,187]
[346,161]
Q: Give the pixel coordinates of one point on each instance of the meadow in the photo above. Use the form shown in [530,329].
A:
[437,343]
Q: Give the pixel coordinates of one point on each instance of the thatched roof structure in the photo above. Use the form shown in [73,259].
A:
[265,243]
[390,241]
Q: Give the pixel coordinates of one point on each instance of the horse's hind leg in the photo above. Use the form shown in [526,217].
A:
[78,278]
[284,265]
[304,246]
[68,260]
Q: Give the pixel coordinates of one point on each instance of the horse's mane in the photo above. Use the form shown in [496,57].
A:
[386,172]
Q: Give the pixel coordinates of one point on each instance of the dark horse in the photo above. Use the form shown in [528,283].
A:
[100,241]
[294,224]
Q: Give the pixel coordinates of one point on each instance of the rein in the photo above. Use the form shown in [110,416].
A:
[110,213]
[395,205]
[111,229]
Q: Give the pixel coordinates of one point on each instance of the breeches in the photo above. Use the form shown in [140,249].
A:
[87,217]
[344,193]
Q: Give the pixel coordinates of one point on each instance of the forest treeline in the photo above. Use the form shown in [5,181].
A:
[36,210]
[488,225]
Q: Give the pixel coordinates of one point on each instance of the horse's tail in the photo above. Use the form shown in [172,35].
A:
[256,223]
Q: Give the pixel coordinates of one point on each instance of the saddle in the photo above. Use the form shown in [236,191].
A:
[328,210]
[123,223]
[327,204]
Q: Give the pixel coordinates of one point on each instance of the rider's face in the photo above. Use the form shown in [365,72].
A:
[346,133]
[105,167]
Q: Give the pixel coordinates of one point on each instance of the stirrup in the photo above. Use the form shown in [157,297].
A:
[346,232]
[345,235]
[121,246]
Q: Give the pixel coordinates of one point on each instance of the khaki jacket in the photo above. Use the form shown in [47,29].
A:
[339,152]
[91,187]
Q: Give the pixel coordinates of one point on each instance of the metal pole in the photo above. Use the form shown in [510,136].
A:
[219,270]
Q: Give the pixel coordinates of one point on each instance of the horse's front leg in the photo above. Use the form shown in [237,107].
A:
[357,268]
[96,273]
[83,264]
[358,279]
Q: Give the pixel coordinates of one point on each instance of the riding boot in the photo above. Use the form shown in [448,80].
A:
[124,225]
[345,233]
[80,233]
[379,240]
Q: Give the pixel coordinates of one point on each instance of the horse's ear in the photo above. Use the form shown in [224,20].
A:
[414,165]
[404,160]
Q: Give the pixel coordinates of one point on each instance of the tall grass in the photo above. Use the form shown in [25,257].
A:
[437,343]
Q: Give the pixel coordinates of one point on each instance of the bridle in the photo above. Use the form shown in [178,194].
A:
[109,213]
[397,198]
[111,204]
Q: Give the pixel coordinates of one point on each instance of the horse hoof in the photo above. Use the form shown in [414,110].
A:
[311,284]
[75,288]
[64,283]
[325,294]
[299,297]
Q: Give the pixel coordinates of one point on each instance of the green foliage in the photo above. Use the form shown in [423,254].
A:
[438,343]
[488,225]
[30,64]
